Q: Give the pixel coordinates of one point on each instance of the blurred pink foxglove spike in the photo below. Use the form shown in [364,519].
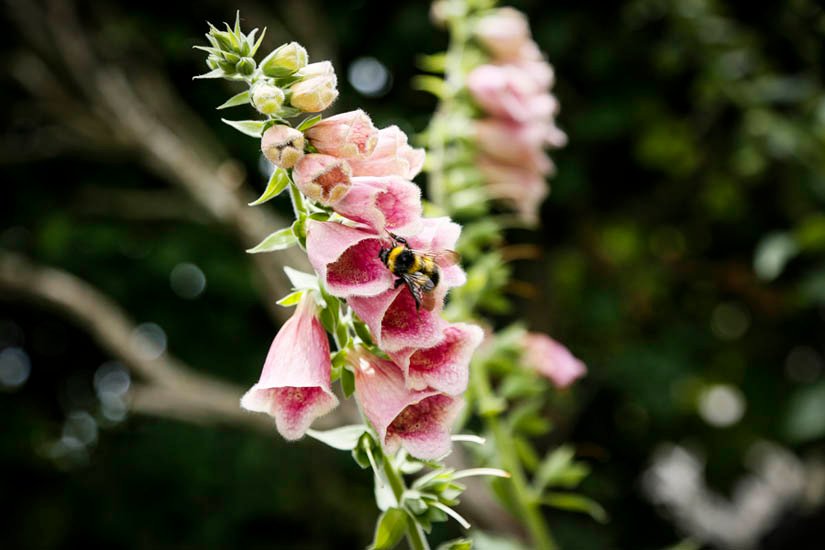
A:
[552,360]
[511,92]
[348,135]
[503,33]
[346,259]
[389,203]
[322,178]
[444,367]
[283,146]
[392,156]
[418,421]
[513,143]
[294,387]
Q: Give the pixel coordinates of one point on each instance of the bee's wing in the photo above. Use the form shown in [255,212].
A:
[444,258]
[420,287]
[420,280]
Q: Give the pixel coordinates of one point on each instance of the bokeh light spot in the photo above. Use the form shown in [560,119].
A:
[722,405]
[187,280]
[15,367]
[369,77]
[149,341]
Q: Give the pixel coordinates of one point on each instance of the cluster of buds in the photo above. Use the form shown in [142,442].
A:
[409,366]
[283,85]
[513,90]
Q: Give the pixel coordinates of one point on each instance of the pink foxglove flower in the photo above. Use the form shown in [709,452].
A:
[392,316]
[552,360]
[389,203]
[295,383]
[392,156]
[348,135]
[503,33]
[522,188]
[346,259]
[511,92]
[418,421]
[322,178]
[283,146]
[444,367]
[513,143]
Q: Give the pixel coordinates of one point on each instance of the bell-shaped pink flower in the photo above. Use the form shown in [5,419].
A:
[392,156]
[551,359]
[283,145]
[295,383]
[503,33]
[514,143]
[388,202]
[392,316]
[348,135]
[445,366]
[322,178]
[522,188]
[346,259]
[508,91]
[418,421]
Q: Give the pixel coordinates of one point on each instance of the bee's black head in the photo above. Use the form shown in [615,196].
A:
[383,254]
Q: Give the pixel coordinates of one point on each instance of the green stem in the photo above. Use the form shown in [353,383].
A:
[415,535]
[297,200]
[528,508]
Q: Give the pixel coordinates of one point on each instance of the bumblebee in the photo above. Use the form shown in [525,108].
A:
[418,270]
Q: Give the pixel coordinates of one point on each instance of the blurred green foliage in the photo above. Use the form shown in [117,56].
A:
[682,248]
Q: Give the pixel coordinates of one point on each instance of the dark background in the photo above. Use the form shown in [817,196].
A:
[696,156]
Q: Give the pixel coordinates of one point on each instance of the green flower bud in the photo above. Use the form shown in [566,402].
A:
[224,40]
[226,66]
[231,57]
[285,60]
[267,98]
[213,62]
[246,66]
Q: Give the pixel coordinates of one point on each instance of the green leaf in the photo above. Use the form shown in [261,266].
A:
[252,128]
[362,331]
[301,280]
[214,73]
[280,240]
[344,438]
[576,503]
[433,84]
[390,529]
[347,382]
[433,63]
[456,544]
[237,99]
[291,299]
[552,467]
[309,122]
[278,181]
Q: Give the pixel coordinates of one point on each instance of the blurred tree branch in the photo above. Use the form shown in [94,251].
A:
[112,109]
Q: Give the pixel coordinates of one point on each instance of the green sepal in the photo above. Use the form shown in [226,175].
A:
[278,181]
[252,128]
[309,122]
[347,383]
[344,438]
[237,99]
[390,529]
[279,240]
[291,299]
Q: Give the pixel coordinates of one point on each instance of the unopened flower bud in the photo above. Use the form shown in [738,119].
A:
[213,62]
[322,178]
[347,135]
[267,98]
[246,66]
[317,90]
[285,60]
[283,146]
[503,33]
[224,39]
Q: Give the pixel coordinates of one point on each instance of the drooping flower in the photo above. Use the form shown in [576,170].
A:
[503,33]
[383,203]
[322,178]
[393,156]
[522,188]
[347,135]
[511,92]
[418,421]
[513,143]
[445,366]
[393,317]
[317,88]
[294,387]
[552,360]
[282,145]
[346,259]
